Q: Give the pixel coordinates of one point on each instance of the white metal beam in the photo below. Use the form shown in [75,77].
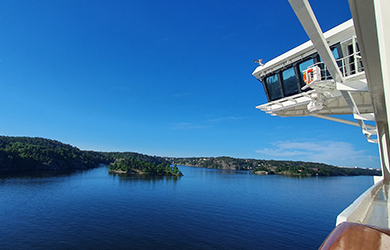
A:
[371,21]
[348,122]
[353,86]
[366,117]
[309,22]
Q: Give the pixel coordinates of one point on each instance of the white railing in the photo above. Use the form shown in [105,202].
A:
[348,66]
[372,207]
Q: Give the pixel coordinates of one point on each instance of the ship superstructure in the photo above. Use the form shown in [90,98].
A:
[344,71]
[298,83]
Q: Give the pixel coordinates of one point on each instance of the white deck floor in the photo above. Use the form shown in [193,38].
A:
[378,211]
[371,208]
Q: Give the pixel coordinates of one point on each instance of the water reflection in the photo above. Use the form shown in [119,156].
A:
[40,174]
[206,209]
[38,178]
[149,178]
[48,173]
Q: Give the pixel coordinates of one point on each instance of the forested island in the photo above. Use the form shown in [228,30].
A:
[130,165]
[28,154]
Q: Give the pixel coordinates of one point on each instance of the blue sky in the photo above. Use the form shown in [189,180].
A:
[167,78]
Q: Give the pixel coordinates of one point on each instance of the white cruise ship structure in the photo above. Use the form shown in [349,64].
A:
[344,71]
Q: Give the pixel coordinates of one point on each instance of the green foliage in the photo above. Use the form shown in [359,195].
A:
[23,154]
[136,165]
[18,154]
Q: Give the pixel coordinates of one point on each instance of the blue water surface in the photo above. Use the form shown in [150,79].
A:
[204,209]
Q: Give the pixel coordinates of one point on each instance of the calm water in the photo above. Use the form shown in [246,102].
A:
[205,209]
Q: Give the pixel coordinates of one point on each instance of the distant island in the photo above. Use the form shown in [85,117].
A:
[136,166]
[28,154]
[269,167]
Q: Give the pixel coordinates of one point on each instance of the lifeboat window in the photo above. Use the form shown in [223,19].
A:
[304,65]
[336,53]
[273,87]
[290,86]
[325,73]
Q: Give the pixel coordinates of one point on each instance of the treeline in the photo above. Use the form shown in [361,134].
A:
[218,162]
[273,167]
[21,154]
[310,169]
[131,165]
[25,154]
[109,157]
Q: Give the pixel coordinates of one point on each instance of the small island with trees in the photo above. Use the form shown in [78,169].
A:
[135,166]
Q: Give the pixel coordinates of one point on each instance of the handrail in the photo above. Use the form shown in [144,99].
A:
[348,65]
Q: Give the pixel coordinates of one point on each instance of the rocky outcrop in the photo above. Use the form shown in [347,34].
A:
[261,172]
